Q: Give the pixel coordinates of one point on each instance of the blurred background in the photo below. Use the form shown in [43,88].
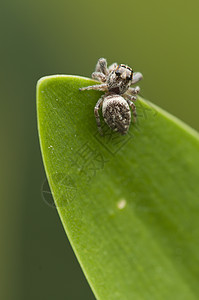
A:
[38,38]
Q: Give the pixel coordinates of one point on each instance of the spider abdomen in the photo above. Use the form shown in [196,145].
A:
[116,113]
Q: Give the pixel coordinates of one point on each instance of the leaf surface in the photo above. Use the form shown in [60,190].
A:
[129,204]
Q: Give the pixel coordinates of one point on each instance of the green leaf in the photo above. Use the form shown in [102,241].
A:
[129,204]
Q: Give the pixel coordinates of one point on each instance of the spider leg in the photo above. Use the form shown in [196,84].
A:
[112,67]
[130,97]
[99,76]
[137,76]
[96,112]
[99,87]
[134,91]
[132,105]
[102,66]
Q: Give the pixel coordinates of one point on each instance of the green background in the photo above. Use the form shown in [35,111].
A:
[38,38]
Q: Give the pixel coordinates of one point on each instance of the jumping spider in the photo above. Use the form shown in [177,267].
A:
[115,81]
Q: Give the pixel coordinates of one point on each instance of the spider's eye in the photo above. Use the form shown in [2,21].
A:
[117,73]
[130,77]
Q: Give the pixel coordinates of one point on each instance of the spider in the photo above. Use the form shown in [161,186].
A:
[119,97]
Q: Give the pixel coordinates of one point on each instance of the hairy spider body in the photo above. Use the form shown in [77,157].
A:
[116,113]
[116,102]
[119,80]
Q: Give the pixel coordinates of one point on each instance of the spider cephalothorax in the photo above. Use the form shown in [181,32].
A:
[119,80]
[116,81]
